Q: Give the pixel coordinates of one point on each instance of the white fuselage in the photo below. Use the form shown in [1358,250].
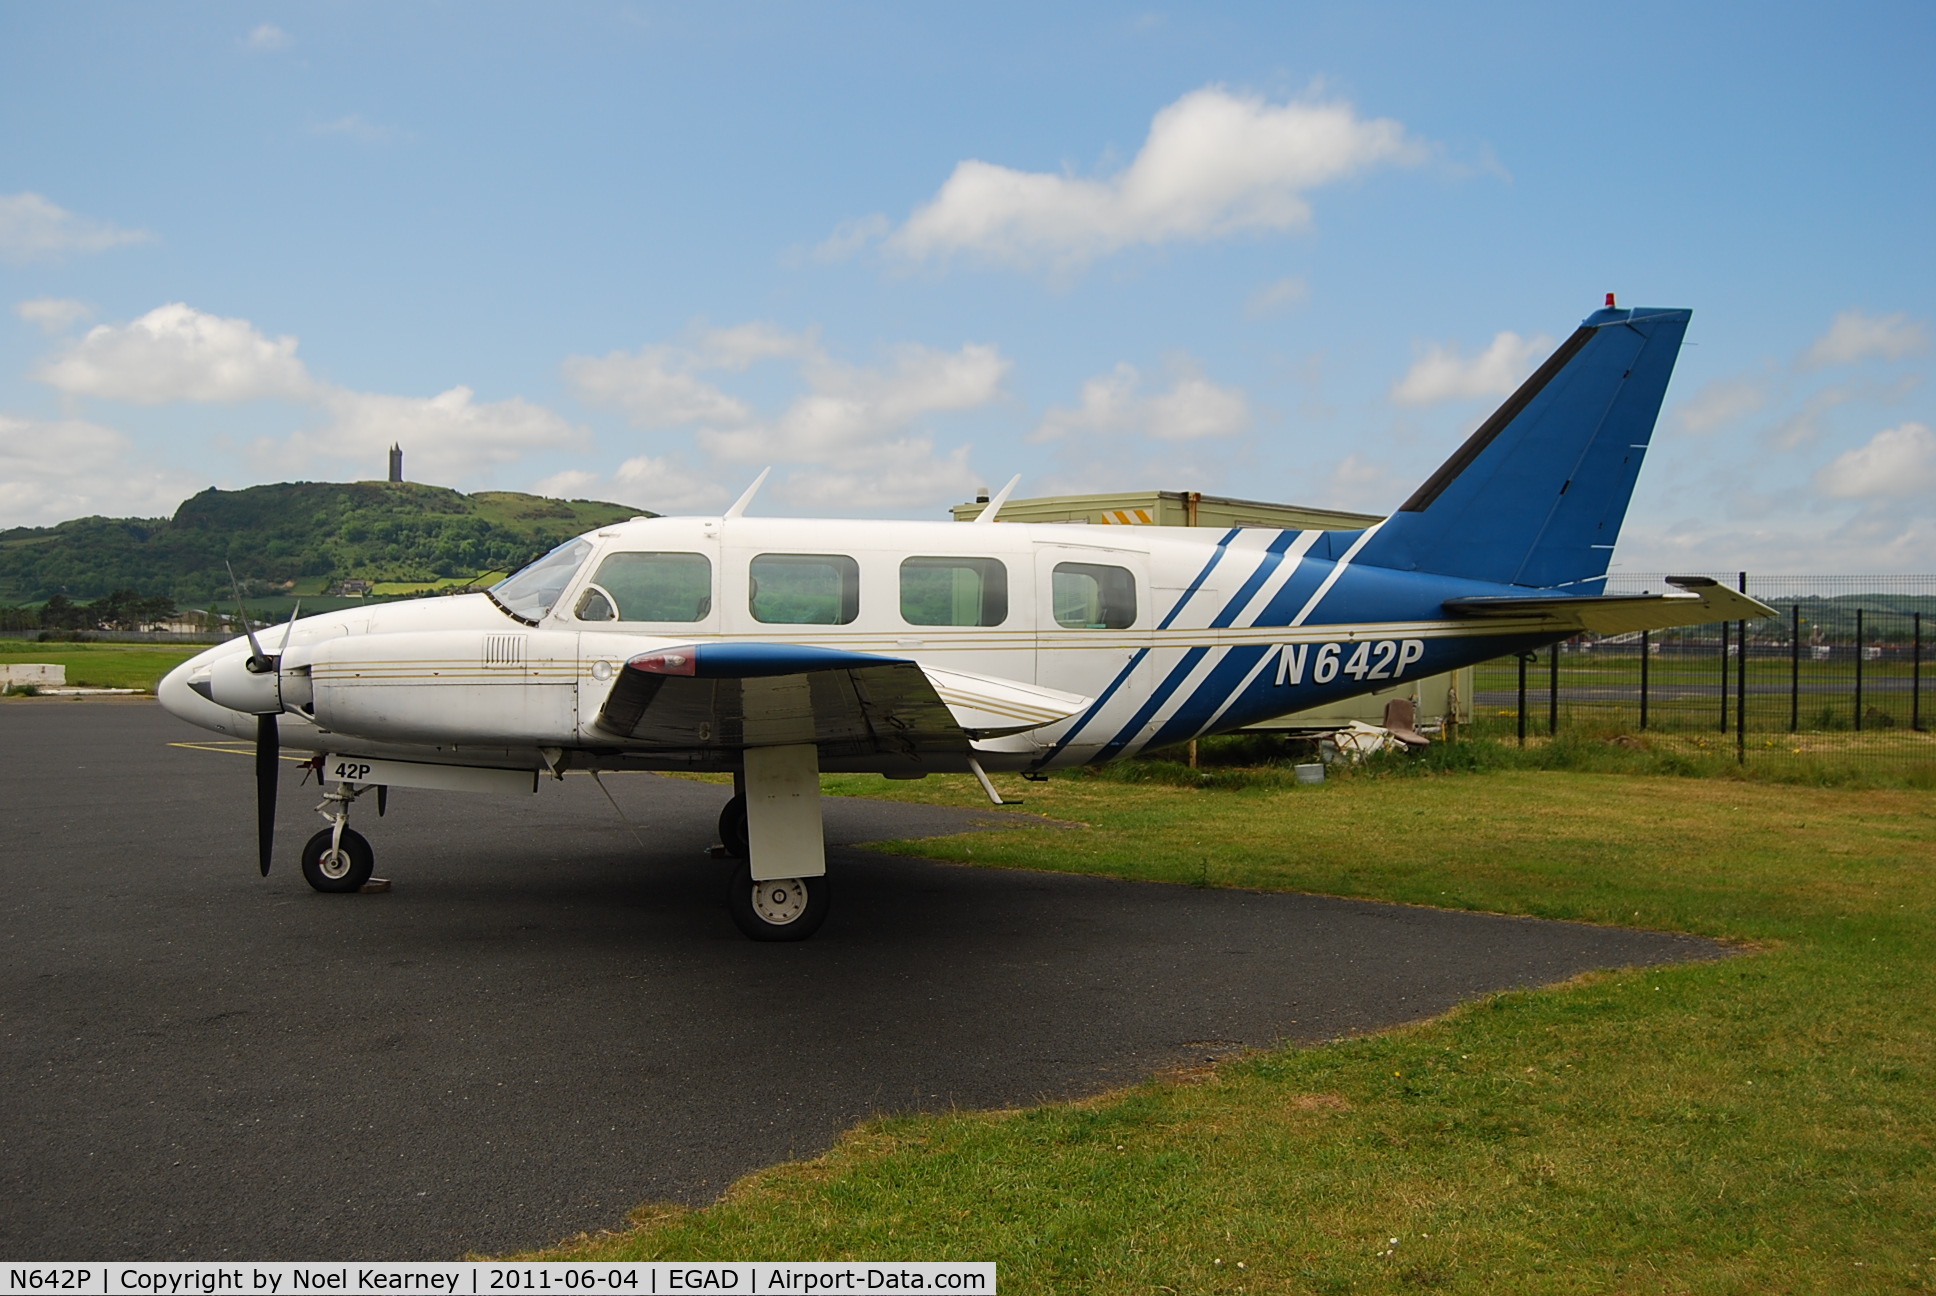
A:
[1204,629]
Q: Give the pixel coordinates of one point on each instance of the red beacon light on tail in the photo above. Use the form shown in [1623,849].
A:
[1609,301]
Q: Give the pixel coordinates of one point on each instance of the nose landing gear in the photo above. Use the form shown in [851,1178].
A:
[338,859]
[337,864]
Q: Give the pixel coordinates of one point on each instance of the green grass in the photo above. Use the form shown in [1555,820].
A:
[101,665]
[1762,1124]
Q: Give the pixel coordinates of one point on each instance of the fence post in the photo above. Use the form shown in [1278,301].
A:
[1553,691]
[1741,686]
[1858,670]
[1916,678]
[1523,659]
[1644,641]
[1795,671]
[1724,675]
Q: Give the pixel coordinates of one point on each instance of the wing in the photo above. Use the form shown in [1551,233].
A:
[1701,600]
[862,710]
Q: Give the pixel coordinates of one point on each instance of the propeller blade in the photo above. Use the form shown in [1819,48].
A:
[268,756]
[258,660]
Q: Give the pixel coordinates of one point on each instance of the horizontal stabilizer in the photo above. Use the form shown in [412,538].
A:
[1701,601]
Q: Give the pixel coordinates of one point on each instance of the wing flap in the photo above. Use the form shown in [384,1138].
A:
[711,699]
[1701,600]
[729,696]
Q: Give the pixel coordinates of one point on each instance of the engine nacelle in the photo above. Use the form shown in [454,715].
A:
[448,687]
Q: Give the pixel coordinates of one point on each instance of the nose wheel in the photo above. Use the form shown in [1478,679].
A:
[339,859]
[336,864]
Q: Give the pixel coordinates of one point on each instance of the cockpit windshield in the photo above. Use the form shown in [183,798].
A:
[529,594]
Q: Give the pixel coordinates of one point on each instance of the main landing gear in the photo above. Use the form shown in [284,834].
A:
[339,859]
[772,829]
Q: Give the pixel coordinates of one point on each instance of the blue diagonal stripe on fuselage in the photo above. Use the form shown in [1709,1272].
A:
[1268,563]
[1136,658]
[1223,546]
[1273,555]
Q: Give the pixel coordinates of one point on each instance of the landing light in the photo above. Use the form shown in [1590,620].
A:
[672,661]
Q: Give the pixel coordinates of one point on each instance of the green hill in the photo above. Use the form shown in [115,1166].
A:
[295,537]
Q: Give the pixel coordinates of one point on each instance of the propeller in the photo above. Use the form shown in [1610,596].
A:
[268,738]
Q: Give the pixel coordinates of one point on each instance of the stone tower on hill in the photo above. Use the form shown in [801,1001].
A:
[396,463]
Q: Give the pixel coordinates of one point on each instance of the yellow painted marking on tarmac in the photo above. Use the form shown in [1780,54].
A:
[233,747]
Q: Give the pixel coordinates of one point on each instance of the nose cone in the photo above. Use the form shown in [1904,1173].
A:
[180,698]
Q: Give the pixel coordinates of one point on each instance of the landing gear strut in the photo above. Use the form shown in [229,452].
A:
[338,859]
[772,827]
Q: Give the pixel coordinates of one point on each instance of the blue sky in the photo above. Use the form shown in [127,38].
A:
[637,252]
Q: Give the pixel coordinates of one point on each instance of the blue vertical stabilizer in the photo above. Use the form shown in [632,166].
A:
[1536,496]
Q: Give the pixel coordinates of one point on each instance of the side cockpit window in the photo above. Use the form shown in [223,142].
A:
[804,589]
[531,592]
[1093,596]
[675,587]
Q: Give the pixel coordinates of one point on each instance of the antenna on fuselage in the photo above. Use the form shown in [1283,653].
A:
[739,505]
[1001,498]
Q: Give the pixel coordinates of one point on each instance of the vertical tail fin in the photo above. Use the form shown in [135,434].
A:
[1536,496]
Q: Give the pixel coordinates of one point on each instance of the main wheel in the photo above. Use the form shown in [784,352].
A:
[346,868]
[732,828]
[780,909]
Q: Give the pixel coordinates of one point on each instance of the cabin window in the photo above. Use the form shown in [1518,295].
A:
[954,591]
[1092,596]
[804,589]
[530,593]
[649,587]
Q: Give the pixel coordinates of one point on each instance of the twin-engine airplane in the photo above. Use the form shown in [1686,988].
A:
[778,649]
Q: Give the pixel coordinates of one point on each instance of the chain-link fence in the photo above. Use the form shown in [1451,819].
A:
[1837,676]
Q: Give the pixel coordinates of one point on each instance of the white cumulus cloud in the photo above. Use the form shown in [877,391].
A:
[1214,164]
[447,437]
[1364,484]
[1854,335]
[53,314]
[1274,298]
[268,38]
[851,410]
[1445,373]
[53,470]
[1895,462]
[35,229]
[904,473]
[667,484]
[1720,403]
[177,353]
[657,387]
[1113,404]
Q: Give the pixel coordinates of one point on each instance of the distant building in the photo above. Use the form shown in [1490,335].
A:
[396,463]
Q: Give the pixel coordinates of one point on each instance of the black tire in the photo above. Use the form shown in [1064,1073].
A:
[756,906]
[732,828]
[347,871]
